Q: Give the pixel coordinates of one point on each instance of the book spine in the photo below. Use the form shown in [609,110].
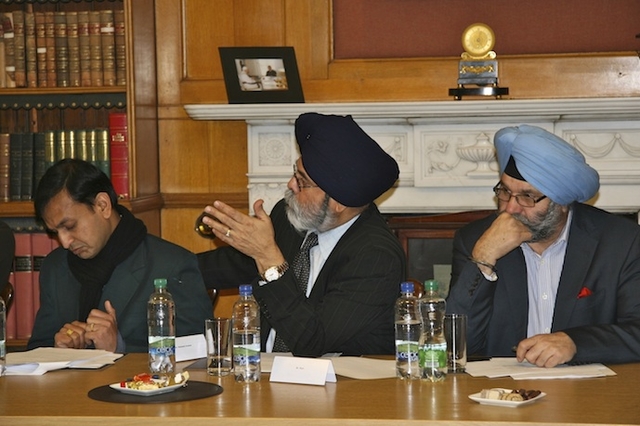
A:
[73,44]
[70,144]
[40,248]
[3,75]
[39,159]
[12,317]
[30,49]
[15,166]
[92,146]
[102,150]
[8,37]
[119,153]
[121,47]
[20,48]
[41,49]
[4,166]
[23,275]
[107,41]
[26,190]
[84,48]
[49,149]
[50,42]
[61,145]
[95,44]
[62,49]
[82,145]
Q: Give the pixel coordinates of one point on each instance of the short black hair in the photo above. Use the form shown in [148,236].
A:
[82,180]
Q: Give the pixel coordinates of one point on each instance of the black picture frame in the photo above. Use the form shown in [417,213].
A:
[256,84]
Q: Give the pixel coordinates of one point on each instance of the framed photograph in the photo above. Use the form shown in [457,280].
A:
[261,75]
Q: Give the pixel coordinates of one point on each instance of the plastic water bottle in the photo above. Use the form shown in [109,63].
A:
[246,337]
[3,337]
[433,346]
[161,316]
[408,331]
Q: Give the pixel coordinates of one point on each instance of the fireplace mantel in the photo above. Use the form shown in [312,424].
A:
[445,149]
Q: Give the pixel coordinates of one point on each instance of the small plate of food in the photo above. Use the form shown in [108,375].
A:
[507,397]
[147,385]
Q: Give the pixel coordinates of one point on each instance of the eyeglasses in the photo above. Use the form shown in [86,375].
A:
[300,181]
[525,200]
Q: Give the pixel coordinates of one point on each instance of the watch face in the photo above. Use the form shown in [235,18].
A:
[478,39]
[272,274]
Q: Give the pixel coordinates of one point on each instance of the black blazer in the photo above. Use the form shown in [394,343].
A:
[350,308]
[603,255]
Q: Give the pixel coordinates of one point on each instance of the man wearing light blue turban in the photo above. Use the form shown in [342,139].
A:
[554,279]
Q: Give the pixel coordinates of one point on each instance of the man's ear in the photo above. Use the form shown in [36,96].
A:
[102,204]
[337,207]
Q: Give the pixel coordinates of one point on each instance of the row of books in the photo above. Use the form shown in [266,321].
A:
[24,157]
[62,49]
[31,249]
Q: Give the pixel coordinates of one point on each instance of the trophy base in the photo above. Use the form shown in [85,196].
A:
[495,91]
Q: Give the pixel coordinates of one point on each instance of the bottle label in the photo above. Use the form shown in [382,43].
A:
[246,354]
[407,351]
[433,357]
[162,345]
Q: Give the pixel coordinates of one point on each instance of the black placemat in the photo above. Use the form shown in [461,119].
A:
[193,390]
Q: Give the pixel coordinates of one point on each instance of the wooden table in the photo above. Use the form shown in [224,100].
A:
[60,397]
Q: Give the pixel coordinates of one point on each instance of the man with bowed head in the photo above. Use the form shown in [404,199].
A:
[94,289]
[557,279]
[346,303]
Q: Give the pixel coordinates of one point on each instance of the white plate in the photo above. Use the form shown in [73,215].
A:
[503,403]
[147,392]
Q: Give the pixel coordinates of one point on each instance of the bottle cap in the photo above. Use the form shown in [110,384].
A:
[431,285]
[160,283]
[245,289]
[406,287]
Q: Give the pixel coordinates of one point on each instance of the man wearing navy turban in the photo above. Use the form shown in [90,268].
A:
[346,305]
[547,276]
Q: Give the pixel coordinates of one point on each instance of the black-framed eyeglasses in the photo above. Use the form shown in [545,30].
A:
[300,181]
[525,200]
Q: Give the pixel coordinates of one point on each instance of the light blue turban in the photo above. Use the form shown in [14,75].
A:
[549,163]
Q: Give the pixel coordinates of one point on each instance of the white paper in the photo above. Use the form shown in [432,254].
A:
[40,360]
[502,367]
[191,347]
[360,368]
[305,371]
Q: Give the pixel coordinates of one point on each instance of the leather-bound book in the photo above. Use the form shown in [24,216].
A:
[62,49]
[23,291]
[95,45]
[50,42]
[4,166]
[26,189]
[41,49]
[102,151]
[39,158]
[73,44]
[108,48]
[30,49]
[19,48]
[82,145]
[49,148]
[121,48]
[9,50]
[15,166]
[84,48]
[119,151]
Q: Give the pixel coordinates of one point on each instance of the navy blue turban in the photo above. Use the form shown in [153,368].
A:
[343,160]
[548,162]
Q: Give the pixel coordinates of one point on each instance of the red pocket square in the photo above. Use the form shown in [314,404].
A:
[584,292]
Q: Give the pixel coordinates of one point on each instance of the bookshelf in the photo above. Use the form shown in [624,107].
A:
[128,88]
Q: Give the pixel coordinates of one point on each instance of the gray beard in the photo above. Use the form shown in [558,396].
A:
[308,218]
[545,224]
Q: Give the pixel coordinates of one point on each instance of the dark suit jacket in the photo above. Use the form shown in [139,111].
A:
[128,289]
[350,308]
[603,255]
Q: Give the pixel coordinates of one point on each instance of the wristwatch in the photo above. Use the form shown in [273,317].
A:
[275,272]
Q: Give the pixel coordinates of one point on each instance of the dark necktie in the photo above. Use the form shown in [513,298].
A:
[301,267]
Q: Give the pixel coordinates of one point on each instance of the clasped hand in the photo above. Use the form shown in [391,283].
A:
[100,330]
[547,350]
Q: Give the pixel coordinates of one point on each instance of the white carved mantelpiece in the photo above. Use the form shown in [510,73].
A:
[445,149]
